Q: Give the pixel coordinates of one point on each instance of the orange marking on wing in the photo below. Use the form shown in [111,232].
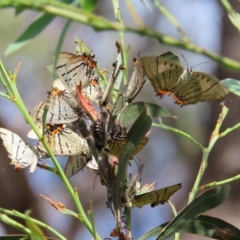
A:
[179,102]
[161,92]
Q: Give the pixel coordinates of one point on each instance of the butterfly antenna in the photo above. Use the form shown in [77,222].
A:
[185,60]
[200,64]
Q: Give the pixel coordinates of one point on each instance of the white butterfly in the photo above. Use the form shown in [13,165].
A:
[22,154]
[62,106]
[73,69]
[63,141]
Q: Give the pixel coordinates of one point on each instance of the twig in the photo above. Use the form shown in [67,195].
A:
[206,151]
[102,24]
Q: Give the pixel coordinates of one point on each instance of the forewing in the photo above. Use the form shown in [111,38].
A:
[22,154]
[59,110]
[61,68]
[63,141]
[156,197]
[163,73]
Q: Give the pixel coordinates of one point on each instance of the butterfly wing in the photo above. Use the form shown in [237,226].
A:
[92,164]
[63,141]
[136,82]
[115,147]
[22,154]
[91,91]
[76,163]
[188,91]
[212,88]
[61,67]
[156,197]
[59,110]
[163,73]
[73,70]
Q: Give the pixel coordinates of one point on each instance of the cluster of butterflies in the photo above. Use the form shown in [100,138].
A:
[69,107]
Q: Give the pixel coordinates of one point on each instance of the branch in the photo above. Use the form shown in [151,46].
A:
[102,24]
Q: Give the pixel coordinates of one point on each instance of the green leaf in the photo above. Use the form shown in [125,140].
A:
[205,226]
[202,203]
[137,132]
[118,105]
[36,232]
[88,5]
[32,31]
[235,19]
[212,227]
[133,110]
[233,85]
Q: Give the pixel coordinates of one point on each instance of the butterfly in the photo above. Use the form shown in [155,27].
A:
[167,76]
[62,106]
[73,69]
[156,197]
[63,141]
[136,82]
[22,154]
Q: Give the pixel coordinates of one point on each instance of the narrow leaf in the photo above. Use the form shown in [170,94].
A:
[202,203]
[36,232]
[131,112]
[202,225]
[135,135]
[88,5]
[32,31]
[233,85]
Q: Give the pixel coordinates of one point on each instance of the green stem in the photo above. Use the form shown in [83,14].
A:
[225,181]
[121,36]
[23,216]
[102,24]
[15,224]
[228,130]
[228,7]
[206,151]
[172,19]
[174,210]
[161,125]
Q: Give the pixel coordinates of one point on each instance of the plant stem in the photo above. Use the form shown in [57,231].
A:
[206,151]
[225,181]
[23,216]
[172,19]
[161,125]
[102,24]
